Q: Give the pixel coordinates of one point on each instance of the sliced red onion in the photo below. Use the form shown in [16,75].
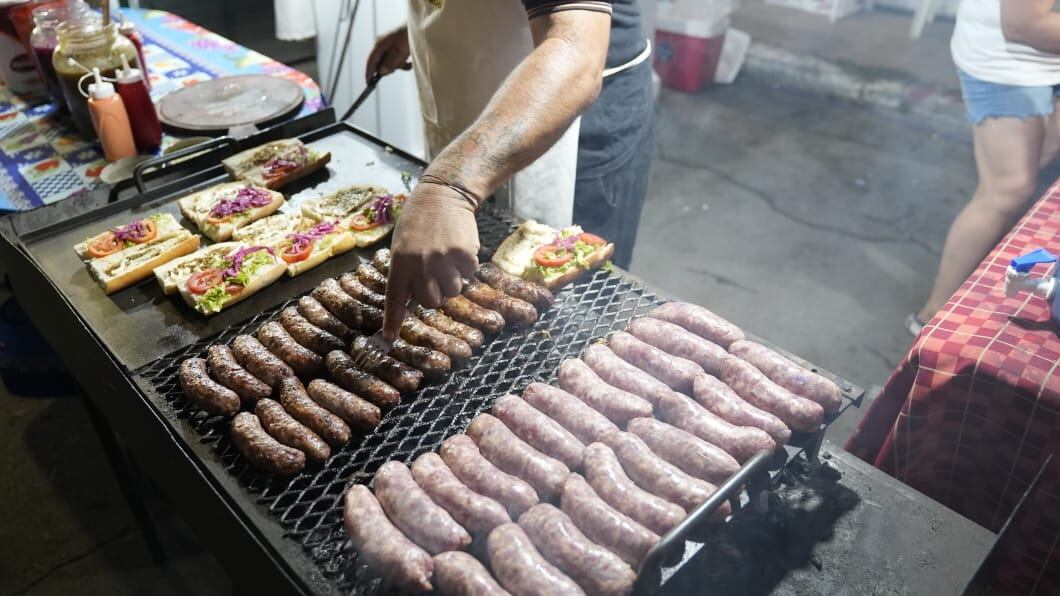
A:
[131,231]
[238,256]
[245,198]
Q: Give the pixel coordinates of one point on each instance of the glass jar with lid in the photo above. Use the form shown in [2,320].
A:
[86,43]
[43,41]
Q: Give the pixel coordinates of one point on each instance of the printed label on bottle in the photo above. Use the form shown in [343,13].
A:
[13,67]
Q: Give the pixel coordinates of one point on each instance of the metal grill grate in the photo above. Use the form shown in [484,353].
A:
[309,505]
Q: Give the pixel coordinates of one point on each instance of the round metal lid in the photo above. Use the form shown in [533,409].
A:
[223,103]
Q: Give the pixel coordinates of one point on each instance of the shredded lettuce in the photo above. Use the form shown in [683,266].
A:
[250,266]
[608,266]
[214,299]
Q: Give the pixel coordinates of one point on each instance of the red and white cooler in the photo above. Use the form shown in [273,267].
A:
[687,48]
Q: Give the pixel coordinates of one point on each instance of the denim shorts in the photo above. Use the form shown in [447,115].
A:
[984,100]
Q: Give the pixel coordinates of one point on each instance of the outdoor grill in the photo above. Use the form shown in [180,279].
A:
[294,525]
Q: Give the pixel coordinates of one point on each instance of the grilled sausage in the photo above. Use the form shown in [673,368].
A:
[259,361]
[605,474]
[618,373]
[604,524]
[676,372]
[285,429]
[346,375]
[700,321]
[594,568]
[656,475]
[381,261]
[720,399]
[371,278]
[295,400]
[315,313]
[263,451]
[400,376]
[417,332]
[205,392]
[353,286]
[467,312]
[678,341]
[582,421]
[441,322]
[520,568]
[753,386]
[688,452]
[431,363]
[741,442]
[478,514]
[359,414]
[789,375]
[308,334]
[457,573]
[414,513]
[462,456]
[356,315]
[539,431]
[516,312]
[381,545]
[305,362]
[619,406]
[511,454]
[226,370]
[535,294]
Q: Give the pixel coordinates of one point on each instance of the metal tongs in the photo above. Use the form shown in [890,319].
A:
[369,359]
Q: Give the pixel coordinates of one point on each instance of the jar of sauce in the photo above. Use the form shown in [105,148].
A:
[43,41]
[84,44]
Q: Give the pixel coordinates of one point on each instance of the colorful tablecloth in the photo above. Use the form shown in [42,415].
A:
[974,408]
[42,158]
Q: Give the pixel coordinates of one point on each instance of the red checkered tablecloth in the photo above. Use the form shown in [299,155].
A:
[974,408]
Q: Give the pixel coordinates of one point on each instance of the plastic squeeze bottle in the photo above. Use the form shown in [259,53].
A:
[146,129]
[110,120]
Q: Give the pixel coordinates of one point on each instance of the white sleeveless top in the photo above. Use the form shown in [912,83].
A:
[980,49]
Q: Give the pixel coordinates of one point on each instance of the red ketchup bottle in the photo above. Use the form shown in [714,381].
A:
[130,31]
[146,129]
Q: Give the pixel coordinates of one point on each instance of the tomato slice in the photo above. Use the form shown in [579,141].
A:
[150,231]
[551,255]
[200,282]
[295,254]
[234,289]
[213,219]
[360,223]
[103,245]
[591,239]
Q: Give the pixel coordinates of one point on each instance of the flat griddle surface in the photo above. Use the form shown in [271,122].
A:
[140,324]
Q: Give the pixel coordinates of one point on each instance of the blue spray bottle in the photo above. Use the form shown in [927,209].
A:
[1018,278]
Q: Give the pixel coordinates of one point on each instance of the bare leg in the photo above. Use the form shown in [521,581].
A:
[1007,156]
[1051,145]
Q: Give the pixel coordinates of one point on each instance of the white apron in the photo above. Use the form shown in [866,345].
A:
[461,53]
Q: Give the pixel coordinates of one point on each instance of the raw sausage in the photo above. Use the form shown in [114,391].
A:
[381,545]
[263,451]
[441,322]
[679,342]
[541,432]
[656,475]
[749,383]
[720,399]
[521,569]
[478,514]
[462,456]
[226,370]
[417,332]
[535,294]
[371,278]
[511,454]
[594,568]
[604,524]
[308,334]
[341,368]
[467,312]
[609,480]
[399,375]
[354,314]
[685,450]
[259,361]
[315,313]
[516,312]
[700,321]
[359,414]
[619,406]
[583,422]
[205,392]
[741,442]
[295,400]
[623,375]
[457,573]
[285,429]
[414,513]
[352,285]
[430,362]
[305,362]
[789,375]
[676,372]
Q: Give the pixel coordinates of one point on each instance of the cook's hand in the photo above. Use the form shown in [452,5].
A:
[390,53]
[435,244]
